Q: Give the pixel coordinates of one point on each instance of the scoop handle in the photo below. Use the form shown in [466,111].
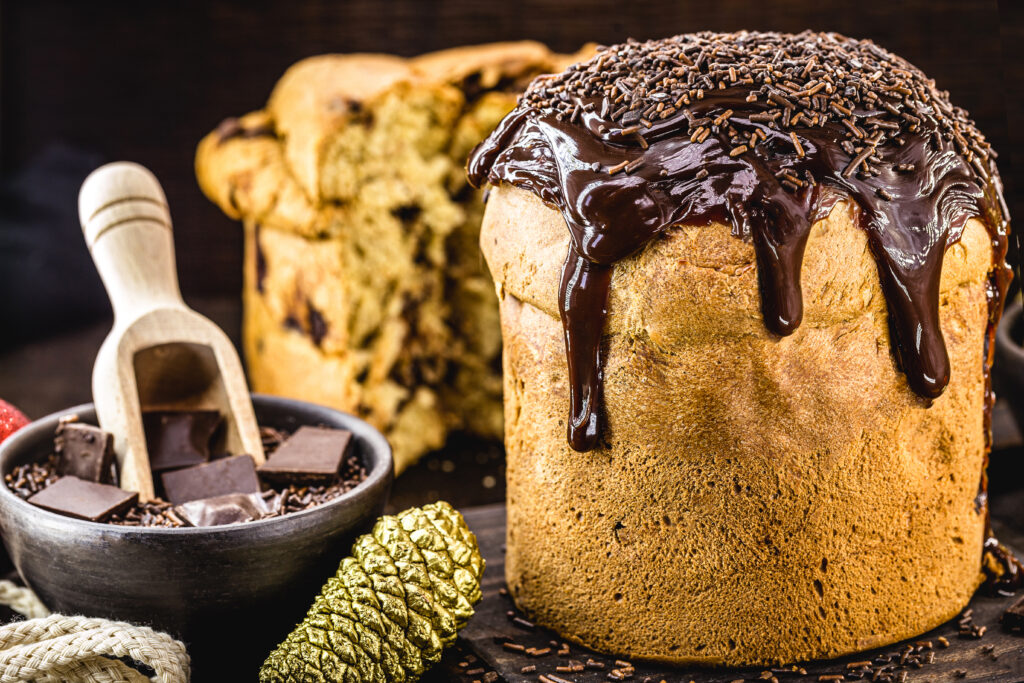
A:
[127,228]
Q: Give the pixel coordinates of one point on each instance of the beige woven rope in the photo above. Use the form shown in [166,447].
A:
[53,648]
[22,600]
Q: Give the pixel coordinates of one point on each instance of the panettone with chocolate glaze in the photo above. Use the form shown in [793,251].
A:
[748,284]
[364,287]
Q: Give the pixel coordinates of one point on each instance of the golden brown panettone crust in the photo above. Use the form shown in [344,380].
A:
[757,499]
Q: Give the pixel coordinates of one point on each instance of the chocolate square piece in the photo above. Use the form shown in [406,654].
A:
[86,452]
[310,456]
[179,438]
[83,499]
[236,474]
[229,509]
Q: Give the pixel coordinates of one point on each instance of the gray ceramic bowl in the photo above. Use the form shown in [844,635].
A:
[233,592]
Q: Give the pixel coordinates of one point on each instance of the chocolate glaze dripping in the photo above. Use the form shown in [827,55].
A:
[584,286]
[911,217]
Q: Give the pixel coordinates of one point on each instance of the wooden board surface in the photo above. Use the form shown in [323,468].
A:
[998,656]
[51,375]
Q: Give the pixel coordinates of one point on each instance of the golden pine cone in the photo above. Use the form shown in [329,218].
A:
[394,605]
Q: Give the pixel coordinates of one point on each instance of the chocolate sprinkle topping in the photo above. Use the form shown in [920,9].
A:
[765,132]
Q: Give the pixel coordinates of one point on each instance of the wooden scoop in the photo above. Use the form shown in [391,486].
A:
[160,354]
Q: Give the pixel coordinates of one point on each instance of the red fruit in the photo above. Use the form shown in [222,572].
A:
[11,419]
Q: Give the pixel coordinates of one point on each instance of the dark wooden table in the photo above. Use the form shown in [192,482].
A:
[996,657]
[55,374]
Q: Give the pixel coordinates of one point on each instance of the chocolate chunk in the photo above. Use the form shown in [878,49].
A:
[261,258]
[228,509]
[83,499]
[86,452]
[317,324]
[310,456]
[1013,617]
[236,474]
[179,438]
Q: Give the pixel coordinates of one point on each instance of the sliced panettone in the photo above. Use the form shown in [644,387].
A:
[364,287]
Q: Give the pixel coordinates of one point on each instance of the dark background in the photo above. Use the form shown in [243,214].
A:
[146,80]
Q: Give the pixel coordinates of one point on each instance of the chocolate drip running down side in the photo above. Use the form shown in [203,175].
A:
[767,154]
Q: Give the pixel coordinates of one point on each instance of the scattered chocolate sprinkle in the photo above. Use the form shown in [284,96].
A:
[569,668]
[868,90]
[617,167]
[31,478]
[886,667]
[523,623]
[796,144]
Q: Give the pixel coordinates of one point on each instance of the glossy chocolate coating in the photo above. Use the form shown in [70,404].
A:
[910,216]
